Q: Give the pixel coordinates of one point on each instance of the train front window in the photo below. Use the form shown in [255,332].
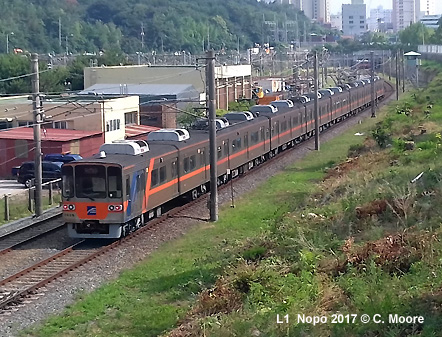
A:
[90,181]
[67,173]
[114,184]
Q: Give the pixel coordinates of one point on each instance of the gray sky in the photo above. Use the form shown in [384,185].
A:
[335,5]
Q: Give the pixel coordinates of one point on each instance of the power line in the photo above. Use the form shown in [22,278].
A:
[22,76]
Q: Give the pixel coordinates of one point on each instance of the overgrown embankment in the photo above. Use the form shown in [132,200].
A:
[353,229]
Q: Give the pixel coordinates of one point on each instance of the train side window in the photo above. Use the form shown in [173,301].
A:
[163,175]
[284,126]
[154,177]
[267,133]
[254,137]
[246,140]
[219,152]
[127,187]
[290,123]
[174,169]
[142,182]
[68,181]
[192,162]
[261,129]
[186,165]
[236,144]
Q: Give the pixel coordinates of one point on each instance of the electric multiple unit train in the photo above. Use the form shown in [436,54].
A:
[118,190]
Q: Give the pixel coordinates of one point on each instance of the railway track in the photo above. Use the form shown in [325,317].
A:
[16,287]
[38,229]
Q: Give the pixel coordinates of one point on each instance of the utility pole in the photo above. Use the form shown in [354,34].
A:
[389,66]
[210,69]
[59,32]
[142,36]
[373,107]
[316,107]
[397,75]
[37,135]
[403,70]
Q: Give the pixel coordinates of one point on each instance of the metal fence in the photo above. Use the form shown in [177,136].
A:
[21,205]
[430,49]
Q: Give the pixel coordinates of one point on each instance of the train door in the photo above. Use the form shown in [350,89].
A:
[137,188]
[246,144]
[203,162]
[174,169]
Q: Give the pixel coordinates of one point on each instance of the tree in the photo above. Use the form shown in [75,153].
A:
[414,35]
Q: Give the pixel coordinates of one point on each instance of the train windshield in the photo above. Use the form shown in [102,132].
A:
[68,181]
[90,181]
[114,185]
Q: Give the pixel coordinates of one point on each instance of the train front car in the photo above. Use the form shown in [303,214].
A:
[97,192]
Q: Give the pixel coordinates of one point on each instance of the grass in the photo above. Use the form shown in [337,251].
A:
[18,205]
[330,234]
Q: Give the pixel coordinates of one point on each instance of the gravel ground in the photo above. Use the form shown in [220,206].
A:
[34,251]
[62,292]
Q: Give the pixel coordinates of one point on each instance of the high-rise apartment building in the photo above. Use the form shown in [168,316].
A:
[317,10]
[427,7]
[379,15]
[405,12]
[354,18]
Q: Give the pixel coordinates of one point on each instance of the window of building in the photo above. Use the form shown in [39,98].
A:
[351,21]
[130,118]
[60,125]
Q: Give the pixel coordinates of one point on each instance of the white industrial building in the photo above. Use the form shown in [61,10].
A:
[354,18]
[431,21]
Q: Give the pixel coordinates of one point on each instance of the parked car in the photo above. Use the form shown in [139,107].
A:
[50,171]
[63,158]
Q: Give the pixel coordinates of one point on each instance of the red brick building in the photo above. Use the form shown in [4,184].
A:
[17,145]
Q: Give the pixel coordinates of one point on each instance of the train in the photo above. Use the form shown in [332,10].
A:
[127,183]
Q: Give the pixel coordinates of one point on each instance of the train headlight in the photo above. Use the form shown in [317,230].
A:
[115,208]
[69,207]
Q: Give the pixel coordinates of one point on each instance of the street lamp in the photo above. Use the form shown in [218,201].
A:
[7,41]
